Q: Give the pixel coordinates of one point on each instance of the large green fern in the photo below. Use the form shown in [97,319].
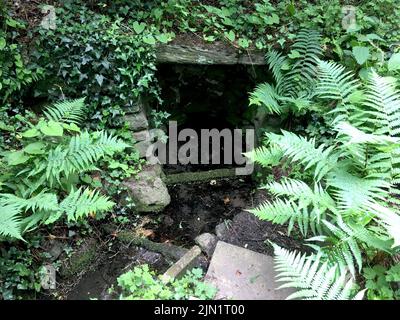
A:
[80,155]
[10,221]
[42,182]
[67,111]
[346,201]
[313,278]
[294,77]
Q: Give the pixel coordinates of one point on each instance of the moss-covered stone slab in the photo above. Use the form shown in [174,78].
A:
[197,176]
[189,50]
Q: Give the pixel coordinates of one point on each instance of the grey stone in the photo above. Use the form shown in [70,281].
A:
[143,135]
[132,107]
[222,229]
[207,243]
[187,262]
[148,191]
[142,148]
[56,249]
[154,259]
[137,122]
[241,274]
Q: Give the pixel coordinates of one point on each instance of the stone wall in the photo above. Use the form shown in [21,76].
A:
[147,190]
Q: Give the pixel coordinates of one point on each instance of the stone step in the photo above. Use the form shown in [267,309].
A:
[242,274]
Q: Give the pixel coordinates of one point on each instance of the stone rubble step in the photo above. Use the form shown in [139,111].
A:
[242,274]
[187,262]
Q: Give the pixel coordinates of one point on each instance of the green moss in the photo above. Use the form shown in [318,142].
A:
[81,259]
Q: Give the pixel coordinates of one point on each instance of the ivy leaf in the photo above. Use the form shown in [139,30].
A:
[138,27]
[164,38]
[31,133]
[35,148]
[99,79]
[244,43]
[2,43]
[16,158]
[294,54]
[361,54]
[149,40]
[273,19]
[230,35]
[394,62]
[53,129]
[71,127]
[209,38]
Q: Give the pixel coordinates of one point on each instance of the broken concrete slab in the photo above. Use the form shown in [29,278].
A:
[241,274]
[187,262]
[207,243]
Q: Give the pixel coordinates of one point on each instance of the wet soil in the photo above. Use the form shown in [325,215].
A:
[197,208]
[96,282]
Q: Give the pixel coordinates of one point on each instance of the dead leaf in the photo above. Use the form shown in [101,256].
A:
[227,200]
[147,233]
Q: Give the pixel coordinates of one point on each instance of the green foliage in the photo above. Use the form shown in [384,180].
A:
[46,169]
[314,279]
[143,284]
[294,76]
[19,275]
[346,203]
[382,283]
[103,57]
[15,73]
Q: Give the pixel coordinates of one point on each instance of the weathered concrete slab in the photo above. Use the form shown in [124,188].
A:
[206,55]
[242,274]
[198,176]
[187,262]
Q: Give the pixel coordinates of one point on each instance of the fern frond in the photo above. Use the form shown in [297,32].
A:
[82,153]
[265,156]
[304,151]
[390,221]
[359,137]
[314,279]
[81,203]
[384,102]
[276,61]
[66,111]
[265,95]
[42,201]
[280,212]
[354,193]
[302,76]
[10,221]
[335,83]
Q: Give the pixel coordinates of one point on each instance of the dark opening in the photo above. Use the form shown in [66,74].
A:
[208,97]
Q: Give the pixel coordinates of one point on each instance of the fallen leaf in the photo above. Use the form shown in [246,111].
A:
[227,200]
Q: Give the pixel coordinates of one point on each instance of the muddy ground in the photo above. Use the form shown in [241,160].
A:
[195,208]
